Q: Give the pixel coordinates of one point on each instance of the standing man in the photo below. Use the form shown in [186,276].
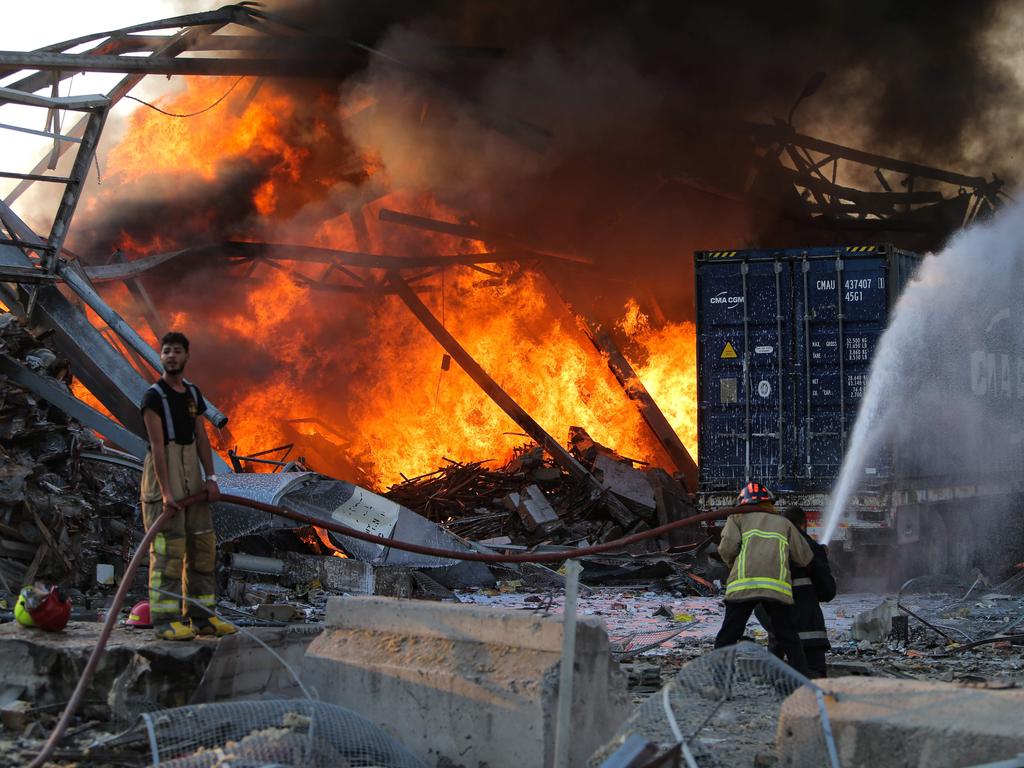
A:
[183,555]
[812,585]
[758,546]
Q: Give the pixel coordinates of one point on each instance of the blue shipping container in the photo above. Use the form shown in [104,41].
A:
[784,341]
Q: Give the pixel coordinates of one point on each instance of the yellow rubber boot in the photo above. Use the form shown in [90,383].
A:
[214,626]
[174,630]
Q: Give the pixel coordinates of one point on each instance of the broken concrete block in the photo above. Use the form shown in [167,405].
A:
[535,510]
[135,667]
[15,715]
[511,502]
[346,574]
[255,593]
[393,582]
[875,625]
[276,611]
[467,684]
[883,722]
[623,480]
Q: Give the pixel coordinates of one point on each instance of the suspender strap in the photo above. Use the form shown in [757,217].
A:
[168,421]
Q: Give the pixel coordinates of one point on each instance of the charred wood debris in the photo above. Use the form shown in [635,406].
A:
[65,508]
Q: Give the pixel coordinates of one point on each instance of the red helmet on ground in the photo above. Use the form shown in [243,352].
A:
[754,493]
[48,610]
[139,615]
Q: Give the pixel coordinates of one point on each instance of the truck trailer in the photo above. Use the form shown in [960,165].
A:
[785,339]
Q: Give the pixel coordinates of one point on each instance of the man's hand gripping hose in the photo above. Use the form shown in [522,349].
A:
[129,575]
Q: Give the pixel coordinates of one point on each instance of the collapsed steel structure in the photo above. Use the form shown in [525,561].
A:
[793,174]
[806,183]
[30,265]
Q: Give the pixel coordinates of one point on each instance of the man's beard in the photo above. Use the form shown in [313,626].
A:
[179,369]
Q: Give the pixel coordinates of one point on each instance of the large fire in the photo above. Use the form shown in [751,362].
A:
[359,370]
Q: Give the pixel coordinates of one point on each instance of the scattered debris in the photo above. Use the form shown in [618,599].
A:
[62,511]
[531,500]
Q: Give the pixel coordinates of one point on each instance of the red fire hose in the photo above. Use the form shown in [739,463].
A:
[129,576]
[108,625]
[480,557]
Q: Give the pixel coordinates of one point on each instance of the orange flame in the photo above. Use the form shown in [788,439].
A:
[382,388]
[669,372]
[319,541]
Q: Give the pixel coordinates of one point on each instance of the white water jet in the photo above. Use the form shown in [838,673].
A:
[946,389]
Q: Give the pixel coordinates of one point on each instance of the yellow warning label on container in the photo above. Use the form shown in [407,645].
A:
[729,353]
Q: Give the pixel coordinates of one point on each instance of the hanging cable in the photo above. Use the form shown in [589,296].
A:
[189,114]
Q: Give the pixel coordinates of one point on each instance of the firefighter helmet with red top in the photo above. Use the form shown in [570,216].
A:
[139,616]
[754,493]
[42,608]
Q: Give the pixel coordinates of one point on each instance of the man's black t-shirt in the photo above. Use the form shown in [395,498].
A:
[184,410]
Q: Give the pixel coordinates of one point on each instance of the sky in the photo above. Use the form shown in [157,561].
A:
[34,24]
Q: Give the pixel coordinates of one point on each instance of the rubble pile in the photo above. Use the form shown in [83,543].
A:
[531,500]
[61,511]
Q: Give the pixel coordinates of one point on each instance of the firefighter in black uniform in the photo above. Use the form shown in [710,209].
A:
[812,585]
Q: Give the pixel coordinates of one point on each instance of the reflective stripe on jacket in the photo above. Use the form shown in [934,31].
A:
[813,584]
[758,546]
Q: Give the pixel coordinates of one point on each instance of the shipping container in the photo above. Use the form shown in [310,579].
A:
[785,339]
[784,342]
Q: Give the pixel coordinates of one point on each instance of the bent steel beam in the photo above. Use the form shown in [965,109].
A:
[286,252]
[153,65]
[635,390]
[505,401]
[54,394]
[471,232]
[79,335]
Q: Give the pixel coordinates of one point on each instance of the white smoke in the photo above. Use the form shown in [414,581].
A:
[946,386]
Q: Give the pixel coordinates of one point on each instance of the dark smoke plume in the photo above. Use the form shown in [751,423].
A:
[635,95]
[568,125]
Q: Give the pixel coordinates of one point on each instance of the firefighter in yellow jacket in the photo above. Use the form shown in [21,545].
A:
[183,555]
[758,546]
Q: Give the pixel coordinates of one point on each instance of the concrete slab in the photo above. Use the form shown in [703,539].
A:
[883,722]
[135,669]
[139,673]
[241,668]
[464,685]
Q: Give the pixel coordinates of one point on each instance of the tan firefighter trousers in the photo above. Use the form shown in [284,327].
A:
[182,556]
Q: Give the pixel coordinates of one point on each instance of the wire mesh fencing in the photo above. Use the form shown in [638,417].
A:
[725,706]
[289,733]
[265,733]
